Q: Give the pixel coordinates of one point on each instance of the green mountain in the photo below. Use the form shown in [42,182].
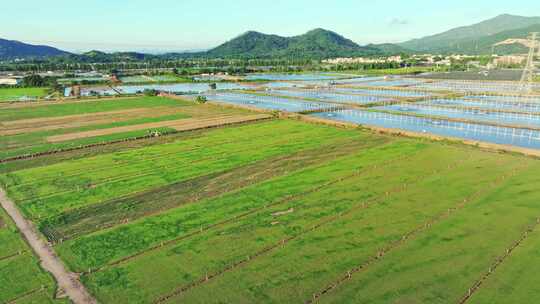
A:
[318,43]
[485,45]
[390,48]
[10,49]
[472,39]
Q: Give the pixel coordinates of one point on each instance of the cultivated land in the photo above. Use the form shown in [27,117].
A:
[274,211]
[21,278]
[14,94]
[43,127]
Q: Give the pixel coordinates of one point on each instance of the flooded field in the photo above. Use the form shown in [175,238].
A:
[431,103]
[485,104]
[291,77]
[475,115]
[331,96]
[472,131]
[384,92]
[404,82]
[470,86]
[269,102]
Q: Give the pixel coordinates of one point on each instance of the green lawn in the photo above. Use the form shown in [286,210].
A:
[14,94]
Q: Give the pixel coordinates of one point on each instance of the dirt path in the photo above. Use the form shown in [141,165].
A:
[68,282]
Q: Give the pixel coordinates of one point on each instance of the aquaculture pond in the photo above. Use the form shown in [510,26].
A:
[471,131]
[198,87]
[462,86]
[331,96]
[530,107]
[393,83]
[291,77]
[384,92]
[269,102]
[475,115]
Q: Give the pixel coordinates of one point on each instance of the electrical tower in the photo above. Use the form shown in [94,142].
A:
[528,73]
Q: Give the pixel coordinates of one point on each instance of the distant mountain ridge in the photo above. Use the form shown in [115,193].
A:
[474,39]
[11,49]
[317,43]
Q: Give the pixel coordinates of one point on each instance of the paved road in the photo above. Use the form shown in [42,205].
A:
[67,281]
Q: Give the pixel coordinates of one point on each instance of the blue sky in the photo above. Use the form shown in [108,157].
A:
[188,24]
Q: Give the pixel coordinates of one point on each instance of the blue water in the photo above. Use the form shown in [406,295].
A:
[284,84]
[173,88]
[269,102]
[357,80]
[393,83]
[290,77]
[521,120]
[499,135]
[329,96]
[383,92]
[507,99]
[494,105]
[472,86]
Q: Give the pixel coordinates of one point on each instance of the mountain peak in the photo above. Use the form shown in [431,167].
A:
[318,42]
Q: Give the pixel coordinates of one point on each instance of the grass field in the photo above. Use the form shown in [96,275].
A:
[278,211]
[39,128]
[14,94]
[21,278]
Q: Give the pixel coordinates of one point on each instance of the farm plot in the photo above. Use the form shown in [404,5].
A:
[47,191]
[41,129]
[516,279]
[441,266]
[280,211]
[96,106]
[21,278]
[310,260]
[104,247]
[16,94]
[243,240]
[85,220]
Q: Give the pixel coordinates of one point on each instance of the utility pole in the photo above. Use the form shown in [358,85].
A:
[526,81]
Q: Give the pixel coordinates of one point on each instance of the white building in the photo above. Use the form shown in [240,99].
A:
[9,81]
